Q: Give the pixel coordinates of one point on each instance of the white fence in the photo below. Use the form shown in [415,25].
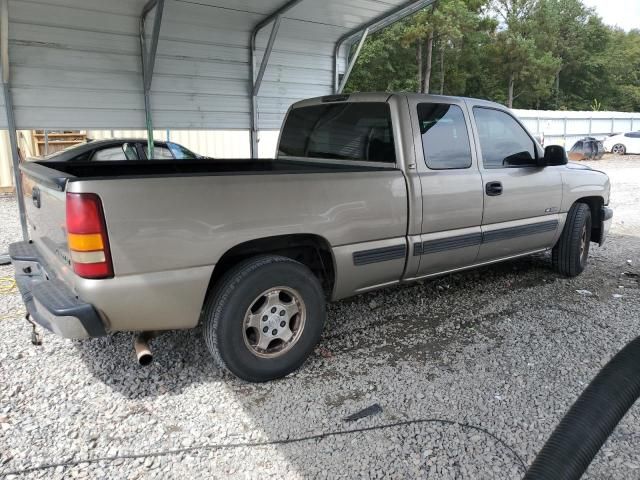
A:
[557,127]
[565,128]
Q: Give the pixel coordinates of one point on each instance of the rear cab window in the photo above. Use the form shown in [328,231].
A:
[358,131]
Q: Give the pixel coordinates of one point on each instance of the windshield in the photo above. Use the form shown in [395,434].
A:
[181,153]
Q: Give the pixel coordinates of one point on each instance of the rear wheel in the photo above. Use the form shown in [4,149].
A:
[619,149]
[571,253]
[264,318]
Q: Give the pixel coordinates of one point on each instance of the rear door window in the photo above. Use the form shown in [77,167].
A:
[445,139]
[159,153]
[111,153]
[339,131]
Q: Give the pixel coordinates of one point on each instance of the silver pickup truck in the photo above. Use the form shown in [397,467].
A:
[367,191]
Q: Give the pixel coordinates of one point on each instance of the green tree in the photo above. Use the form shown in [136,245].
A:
[518,55]
[554,54]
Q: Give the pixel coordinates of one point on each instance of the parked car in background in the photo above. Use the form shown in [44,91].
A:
[588,148]
[122,149]
[623,143]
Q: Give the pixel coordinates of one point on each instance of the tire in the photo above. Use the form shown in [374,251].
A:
[570,254]
[245,296]
[619,149]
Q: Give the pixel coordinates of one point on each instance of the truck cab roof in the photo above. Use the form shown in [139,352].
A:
[385,96]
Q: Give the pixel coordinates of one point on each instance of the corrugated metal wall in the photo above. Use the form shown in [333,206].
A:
[76,64]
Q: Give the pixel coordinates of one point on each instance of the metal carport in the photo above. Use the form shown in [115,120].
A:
[180,64]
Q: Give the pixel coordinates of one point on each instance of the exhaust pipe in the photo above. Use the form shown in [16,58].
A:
[142,348]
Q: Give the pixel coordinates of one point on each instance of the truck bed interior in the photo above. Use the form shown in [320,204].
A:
[146,168]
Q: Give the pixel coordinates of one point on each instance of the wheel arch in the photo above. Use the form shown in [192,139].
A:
[595,204]
[313,251]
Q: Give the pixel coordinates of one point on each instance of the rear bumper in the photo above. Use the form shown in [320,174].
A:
[48,300]
[607,216]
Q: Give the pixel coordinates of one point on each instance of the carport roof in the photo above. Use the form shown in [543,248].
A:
[76,63]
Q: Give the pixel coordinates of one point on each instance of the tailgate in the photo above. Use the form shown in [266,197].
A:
[45,202]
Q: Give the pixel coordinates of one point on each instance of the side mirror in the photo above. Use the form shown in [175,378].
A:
[554,155]
[519,159]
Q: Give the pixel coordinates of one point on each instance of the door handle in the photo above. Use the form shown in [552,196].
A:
[494,189]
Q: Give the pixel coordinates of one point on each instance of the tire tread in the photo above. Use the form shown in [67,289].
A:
[565,254]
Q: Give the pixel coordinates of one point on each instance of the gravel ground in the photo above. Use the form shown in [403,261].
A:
[506,348]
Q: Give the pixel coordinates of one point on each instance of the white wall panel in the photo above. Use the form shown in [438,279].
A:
[552,124]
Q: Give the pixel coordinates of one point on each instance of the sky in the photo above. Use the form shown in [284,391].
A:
[623,13]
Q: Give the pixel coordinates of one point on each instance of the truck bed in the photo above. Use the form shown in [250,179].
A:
[209,167]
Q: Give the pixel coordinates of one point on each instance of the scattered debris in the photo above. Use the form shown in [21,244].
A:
[374,409]
[584,293]
[324,352]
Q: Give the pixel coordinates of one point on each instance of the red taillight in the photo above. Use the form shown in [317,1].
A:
[87,236]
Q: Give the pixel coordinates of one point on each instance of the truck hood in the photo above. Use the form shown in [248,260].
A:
[578,166]
[582,166]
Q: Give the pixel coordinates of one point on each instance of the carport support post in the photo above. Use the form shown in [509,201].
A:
[8,106]
[353,61]
[148,62]
[398,13]
[256,81]
[255,87]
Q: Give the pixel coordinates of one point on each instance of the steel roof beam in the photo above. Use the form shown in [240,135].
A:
[8,107]
[256,81]
[370,27]
[352,62]
[148,60]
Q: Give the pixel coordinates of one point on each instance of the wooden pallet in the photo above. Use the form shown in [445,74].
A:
[51,142]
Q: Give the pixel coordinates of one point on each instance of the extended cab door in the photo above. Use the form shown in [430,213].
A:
[451,185]
[521,200]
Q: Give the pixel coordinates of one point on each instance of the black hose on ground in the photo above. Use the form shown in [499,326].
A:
[592,418]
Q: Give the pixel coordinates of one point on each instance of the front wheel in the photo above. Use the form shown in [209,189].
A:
[570,254]
[264,318]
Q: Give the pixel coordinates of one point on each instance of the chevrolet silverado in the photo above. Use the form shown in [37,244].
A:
[366,191]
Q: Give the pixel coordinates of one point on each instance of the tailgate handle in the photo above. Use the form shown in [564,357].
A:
[35,196]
